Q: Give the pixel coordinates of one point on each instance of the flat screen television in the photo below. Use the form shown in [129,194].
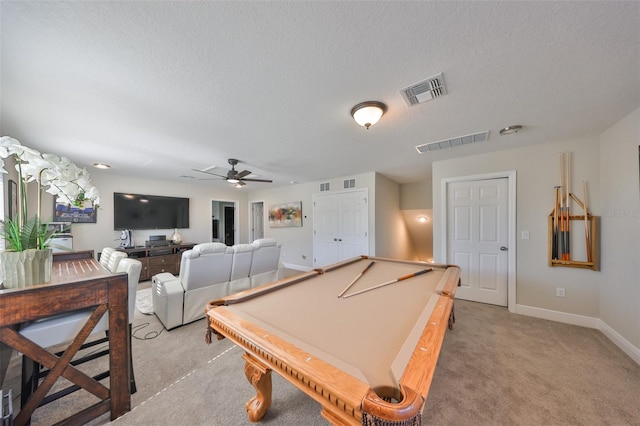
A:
[137,211]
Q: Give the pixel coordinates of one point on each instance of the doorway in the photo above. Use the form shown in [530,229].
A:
[257,220]
[224,220]
[479,235]
[229,225]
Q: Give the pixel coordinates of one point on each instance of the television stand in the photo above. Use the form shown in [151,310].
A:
[158,259]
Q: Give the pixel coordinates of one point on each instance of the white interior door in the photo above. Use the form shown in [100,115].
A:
[477,238]
[353,225]
[325,232]
[341,226]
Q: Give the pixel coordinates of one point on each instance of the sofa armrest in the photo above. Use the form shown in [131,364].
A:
[168,299]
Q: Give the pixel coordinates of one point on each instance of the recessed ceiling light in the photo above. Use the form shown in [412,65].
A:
[101,166]
[423,219]
[510,130]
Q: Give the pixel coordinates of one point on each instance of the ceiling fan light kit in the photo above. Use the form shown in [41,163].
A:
[368,113]
[510,130]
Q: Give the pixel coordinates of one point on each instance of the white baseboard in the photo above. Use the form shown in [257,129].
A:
[558,316]
[626,346]
[297,267]
[584,321]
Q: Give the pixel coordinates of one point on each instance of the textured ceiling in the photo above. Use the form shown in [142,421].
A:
[156,89]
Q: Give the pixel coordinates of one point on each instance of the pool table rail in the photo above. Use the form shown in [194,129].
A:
[345,398]
[331,387]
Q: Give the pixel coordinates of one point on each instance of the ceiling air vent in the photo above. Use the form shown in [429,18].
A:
[431,88]
[449,143]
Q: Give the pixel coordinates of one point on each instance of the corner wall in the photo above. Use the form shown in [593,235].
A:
[619,295]
[391,234]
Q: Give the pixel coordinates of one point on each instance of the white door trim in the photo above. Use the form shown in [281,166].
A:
[252,225]
[511,176]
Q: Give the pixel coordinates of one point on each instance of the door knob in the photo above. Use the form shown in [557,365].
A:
[503,248]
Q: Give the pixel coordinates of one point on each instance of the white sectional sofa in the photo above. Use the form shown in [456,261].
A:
[211,271]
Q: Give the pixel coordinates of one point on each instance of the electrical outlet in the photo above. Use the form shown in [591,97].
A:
[560,292]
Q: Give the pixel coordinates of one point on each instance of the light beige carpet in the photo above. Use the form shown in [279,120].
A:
[496,368]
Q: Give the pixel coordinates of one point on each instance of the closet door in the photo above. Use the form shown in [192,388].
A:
[341,224]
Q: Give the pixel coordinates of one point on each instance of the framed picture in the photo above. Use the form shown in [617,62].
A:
[285,215]
[74,214]
[13,199]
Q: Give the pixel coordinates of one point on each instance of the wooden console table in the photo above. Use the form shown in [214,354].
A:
[77,282]
[156,260]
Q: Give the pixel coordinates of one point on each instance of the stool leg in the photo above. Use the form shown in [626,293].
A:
[30,370]
[132,379]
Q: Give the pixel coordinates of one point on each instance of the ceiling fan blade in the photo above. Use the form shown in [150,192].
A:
[209,173]
[257,180]
[242,174]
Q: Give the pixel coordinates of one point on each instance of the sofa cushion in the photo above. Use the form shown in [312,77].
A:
[264,242]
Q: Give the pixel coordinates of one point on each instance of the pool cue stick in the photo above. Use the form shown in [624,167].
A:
[561,211]
[568,224]
[402,278]
[555,242]
[357,278]
[586,221]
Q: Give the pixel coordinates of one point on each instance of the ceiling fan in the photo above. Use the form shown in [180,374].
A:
[235,177]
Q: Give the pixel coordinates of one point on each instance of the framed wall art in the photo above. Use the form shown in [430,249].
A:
[65,213]
[285,215]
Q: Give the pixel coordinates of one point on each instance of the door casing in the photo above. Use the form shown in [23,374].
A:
[511,177]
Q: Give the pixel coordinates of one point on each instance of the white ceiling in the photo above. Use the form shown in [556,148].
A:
[156,89]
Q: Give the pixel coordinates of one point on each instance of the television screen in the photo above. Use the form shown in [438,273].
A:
[136,211]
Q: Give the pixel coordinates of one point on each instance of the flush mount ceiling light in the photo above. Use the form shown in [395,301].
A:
[368,113]
[510,130]
[101,166]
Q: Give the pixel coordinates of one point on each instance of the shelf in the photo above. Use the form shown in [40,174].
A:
[586,257]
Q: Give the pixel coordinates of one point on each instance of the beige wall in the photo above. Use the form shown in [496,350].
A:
[416,200]
[619,295]
[391,233]
[537,169]
[416,195]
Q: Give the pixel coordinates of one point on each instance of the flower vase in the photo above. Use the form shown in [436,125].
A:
[176,238]
[26,268]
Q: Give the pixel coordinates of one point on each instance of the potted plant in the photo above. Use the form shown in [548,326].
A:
[27,258]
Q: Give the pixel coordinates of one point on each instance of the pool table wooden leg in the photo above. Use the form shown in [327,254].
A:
[259,375]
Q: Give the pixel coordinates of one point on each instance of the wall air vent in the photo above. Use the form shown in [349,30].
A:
[325,187]
[349,183]
[450,143]
[424,91]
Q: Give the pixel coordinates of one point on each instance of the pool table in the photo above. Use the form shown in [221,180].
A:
[351,335]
